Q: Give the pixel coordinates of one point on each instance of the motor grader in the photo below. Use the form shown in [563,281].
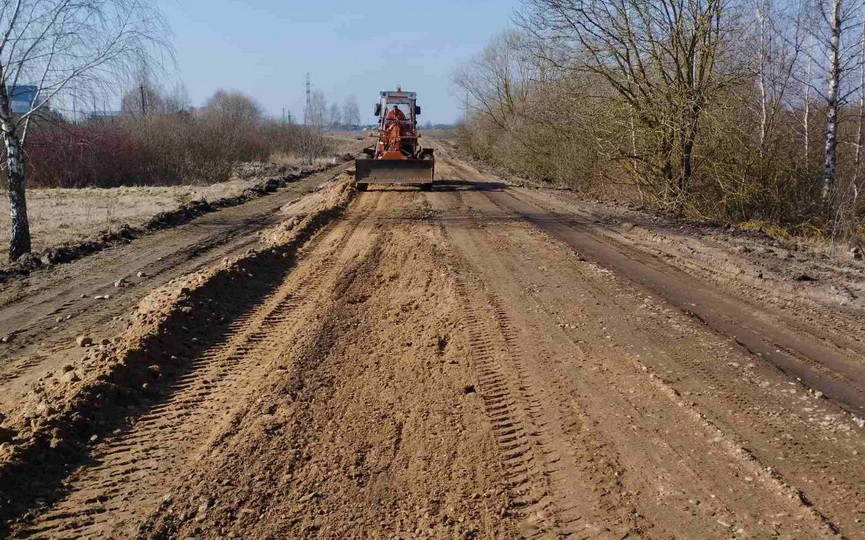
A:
[396,157]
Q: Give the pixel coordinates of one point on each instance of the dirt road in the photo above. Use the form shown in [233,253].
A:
[479,361]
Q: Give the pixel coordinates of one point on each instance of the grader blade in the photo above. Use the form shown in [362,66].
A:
[394,171]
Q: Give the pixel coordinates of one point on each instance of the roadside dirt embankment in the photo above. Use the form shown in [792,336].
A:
[68,408]
[68,251]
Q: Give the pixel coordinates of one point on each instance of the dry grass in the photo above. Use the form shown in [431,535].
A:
[295,161]
[61,215]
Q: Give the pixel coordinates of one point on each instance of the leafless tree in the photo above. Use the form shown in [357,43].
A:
[57,46]
[318,110]
[837,34]
[334,117]
[664,58]
[146,97]
[782,27]
[233,107]
[351,112]
[498,80]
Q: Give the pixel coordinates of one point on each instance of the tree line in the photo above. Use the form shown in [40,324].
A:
[322,115]
[728,110]
[158,139]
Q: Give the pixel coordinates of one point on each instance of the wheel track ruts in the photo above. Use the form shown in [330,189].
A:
[554,425]
[833,325]
[512,409]
[17,367]
[146,448]
[513,414]
[745,404]
[557,426]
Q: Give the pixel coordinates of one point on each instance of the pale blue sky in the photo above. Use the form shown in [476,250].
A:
[265,48]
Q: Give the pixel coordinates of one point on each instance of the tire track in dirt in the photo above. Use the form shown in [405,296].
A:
[613,398]
[738,401]
[30,307]
[819,366]
[506,402]
[131,467]
[372,434]
[534,431]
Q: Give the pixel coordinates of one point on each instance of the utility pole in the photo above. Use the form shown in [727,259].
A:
[143,102]
[283,116]
[307,110]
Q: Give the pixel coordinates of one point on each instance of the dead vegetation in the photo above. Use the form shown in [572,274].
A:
[730,112]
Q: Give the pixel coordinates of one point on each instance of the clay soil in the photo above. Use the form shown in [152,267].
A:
[478,361]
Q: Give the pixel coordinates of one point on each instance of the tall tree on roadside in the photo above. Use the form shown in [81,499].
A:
[497,81]
[837,34]
[664,58]
[318,110]
[59,47]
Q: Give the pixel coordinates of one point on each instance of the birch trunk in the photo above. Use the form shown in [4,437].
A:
[19,240]
[830,154]
[807,117]
[858,160]
[761,74]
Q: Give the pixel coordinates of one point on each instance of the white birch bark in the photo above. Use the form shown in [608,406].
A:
[834,76]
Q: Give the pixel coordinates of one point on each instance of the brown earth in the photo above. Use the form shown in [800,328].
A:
[480,361]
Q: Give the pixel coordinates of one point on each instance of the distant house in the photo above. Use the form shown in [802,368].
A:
[23,96]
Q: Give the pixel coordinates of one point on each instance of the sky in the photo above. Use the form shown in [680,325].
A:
[264,48]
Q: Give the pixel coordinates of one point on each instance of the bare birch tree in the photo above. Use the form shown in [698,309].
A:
[334,116]
[837,33]
[56,45]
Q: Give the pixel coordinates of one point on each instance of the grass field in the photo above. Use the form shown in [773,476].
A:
[63,215]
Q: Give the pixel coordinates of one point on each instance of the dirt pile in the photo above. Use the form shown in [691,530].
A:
[66,410]
[71,251]
[368,424]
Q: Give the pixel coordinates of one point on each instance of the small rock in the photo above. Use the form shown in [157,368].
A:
[67,368]
[84,341]
[142,274]
[119,283]
[202,511]
[70,377]
[308,497]
[818,394]
[105,341]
